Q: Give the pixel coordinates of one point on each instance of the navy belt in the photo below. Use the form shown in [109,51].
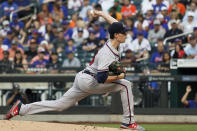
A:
[89,73]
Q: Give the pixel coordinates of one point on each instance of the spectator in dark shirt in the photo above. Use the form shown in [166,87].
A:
[101,44]
[70,47]
[52,32]
[53,65]
[59,43]
[173,31]
[90,43]
[15,95]
[189,103]
[5,63]
[129,58]
[20,63]
[164,67]
[31,96]
[32,50]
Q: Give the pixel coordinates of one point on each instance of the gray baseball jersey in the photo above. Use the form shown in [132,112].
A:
[103,58]
[85,85]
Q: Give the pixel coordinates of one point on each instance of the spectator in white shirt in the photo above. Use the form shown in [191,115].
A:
[5,28]
[85,8]
[191,48]
[144,22]
[74,4]
[146,5]
[106,4]
[191,9]
[141,46]
[79,35]
[189,24]
[127,44]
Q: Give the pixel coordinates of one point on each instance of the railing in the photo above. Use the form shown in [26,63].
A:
[176,36]
[21,9]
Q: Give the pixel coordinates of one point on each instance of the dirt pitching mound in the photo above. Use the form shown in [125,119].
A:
[14,125]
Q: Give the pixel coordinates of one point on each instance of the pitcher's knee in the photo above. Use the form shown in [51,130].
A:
[126,83]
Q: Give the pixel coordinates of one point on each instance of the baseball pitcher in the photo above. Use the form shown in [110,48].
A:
[104,74]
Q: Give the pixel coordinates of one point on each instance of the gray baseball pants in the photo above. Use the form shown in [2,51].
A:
[83,86]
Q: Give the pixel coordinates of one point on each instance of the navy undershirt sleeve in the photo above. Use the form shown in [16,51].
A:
[102,76]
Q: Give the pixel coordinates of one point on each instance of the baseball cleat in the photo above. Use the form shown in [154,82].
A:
[133,126]
[14,111]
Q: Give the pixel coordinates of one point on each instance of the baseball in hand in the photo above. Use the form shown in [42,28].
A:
[92,12]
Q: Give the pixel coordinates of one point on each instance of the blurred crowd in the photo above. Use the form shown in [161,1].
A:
[61,33]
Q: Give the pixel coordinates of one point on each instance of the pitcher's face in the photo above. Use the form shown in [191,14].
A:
[120,37]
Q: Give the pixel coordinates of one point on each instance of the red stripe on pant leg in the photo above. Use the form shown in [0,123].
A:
[127,99]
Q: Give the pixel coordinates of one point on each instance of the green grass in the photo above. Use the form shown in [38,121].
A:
[158,127]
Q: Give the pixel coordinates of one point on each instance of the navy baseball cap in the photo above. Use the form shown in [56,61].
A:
[195,28]
[117,27]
